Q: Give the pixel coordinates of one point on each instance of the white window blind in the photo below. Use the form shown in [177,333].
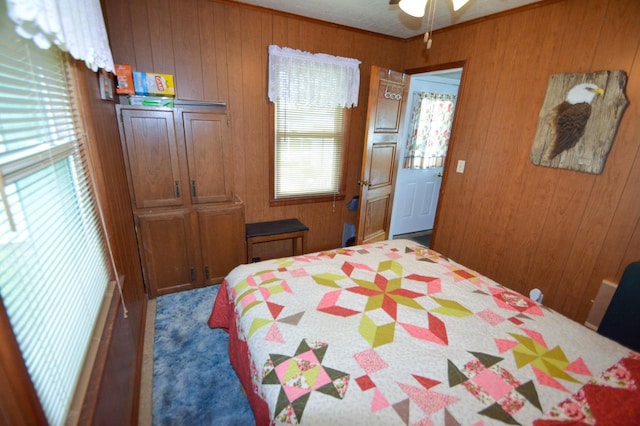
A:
[308,150]
[54,271]
[310,93]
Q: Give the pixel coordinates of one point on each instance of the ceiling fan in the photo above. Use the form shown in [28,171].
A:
[416,7]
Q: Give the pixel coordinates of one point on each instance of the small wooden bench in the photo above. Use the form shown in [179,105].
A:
[276,230]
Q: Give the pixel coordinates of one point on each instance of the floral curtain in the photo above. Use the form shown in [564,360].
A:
[430,129]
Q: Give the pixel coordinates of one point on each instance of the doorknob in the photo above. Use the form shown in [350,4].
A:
[440,174]
[364,183]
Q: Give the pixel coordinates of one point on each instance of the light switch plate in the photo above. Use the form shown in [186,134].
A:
[460,167]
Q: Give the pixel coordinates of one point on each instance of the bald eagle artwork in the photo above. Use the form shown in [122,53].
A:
[571,116]
[579,119]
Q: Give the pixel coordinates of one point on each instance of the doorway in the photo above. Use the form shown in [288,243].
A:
[419,176]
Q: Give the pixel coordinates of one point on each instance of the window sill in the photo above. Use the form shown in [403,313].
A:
[305,200]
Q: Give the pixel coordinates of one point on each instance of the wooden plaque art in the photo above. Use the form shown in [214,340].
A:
[579,119]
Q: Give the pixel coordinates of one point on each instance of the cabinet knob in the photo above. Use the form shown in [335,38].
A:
[177,186]
[206,272]
[192,271]
[193,188]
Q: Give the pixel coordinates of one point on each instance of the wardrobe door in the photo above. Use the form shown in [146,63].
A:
[209,156]
[164,243]
[151,156]
[222,240]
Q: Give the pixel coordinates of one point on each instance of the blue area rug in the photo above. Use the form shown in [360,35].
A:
[193,382]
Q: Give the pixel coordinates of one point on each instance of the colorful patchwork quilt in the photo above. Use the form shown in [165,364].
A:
[395,333]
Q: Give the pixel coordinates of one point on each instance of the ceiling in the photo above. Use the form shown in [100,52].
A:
[380,17]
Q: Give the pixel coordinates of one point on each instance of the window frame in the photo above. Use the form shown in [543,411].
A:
[16,379]
[307,199]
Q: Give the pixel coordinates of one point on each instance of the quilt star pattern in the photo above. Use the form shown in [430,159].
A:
[395,333]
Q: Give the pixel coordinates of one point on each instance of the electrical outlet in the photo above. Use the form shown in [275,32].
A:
[460,167]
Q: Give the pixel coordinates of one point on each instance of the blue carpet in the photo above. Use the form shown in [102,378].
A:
[193,382]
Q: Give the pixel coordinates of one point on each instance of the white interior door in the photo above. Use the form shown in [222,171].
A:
[416,200]
[417,190]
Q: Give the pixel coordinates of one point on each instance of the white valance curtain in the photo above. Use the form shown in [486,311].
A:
[319,79]
[75,26]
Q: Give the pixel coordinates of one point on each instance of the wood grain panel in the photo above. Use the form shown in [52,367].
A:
[570,191]
[209,156]
[377,210]
[161,35]
[118,22]
[475,106]
[114,389]
[526,239]
[152,156]
[560,231]
[383,158]
[141,38]
[222,70]
[166,251]
[208,49]
[531,226]
[607,190]
[186,50]
[222,225]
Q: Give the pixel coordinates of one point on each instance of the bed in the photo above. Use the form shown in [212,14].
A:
[395,333]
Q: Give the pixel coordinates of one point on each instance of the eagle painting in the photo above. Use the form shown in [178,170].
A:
[571,117]
[578,120]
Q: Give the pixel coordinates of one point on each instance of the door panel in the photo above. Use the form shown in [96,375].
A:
[376,218]
[389,109]
[222,240]
[408,201]
[152,156]
[209,156]
[383,160]
[418,191]
[165,249]
[385,111]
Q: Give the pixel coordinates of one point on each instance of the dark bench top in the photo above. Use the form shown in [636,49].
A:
[274,227]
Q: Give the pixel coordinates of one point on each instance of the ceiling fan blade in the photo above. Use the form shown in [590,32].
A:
[394,2]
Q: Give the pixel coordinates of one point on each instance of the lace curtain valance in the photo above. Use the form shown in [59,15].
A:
[74,26]
[317,79]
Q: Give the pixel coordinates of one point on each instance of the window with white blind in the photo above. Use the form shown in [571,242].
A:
[308,150]
[311,93]
[54,270]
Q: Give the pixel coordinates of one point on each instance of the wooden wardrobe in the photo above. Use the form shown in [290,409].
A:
[189,223]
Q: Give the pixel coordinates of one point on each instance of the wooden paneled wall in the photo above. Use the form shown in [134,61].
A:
[525,226]
[217,51]
[528,226]
[114,389]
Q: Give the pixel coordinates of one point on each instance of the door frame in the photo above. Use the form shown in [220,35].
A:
[447,160]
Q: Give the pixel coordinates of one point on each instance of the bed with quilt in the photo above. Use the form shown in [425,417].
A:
[393,333]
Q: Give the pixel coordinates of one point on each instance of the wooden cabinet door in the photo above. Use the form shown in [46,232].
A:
[164,242]
[222,240]
[151,154]
[209,156]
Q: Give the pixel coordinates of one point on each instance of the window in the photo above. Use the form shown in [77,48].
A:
[309,145]
[54,270]
[430,129]
[311,94]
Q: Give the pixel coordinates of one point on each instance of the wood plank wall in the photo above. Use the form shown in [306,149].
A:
[114,390]
[217,51]
[528,226]
[525,226]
